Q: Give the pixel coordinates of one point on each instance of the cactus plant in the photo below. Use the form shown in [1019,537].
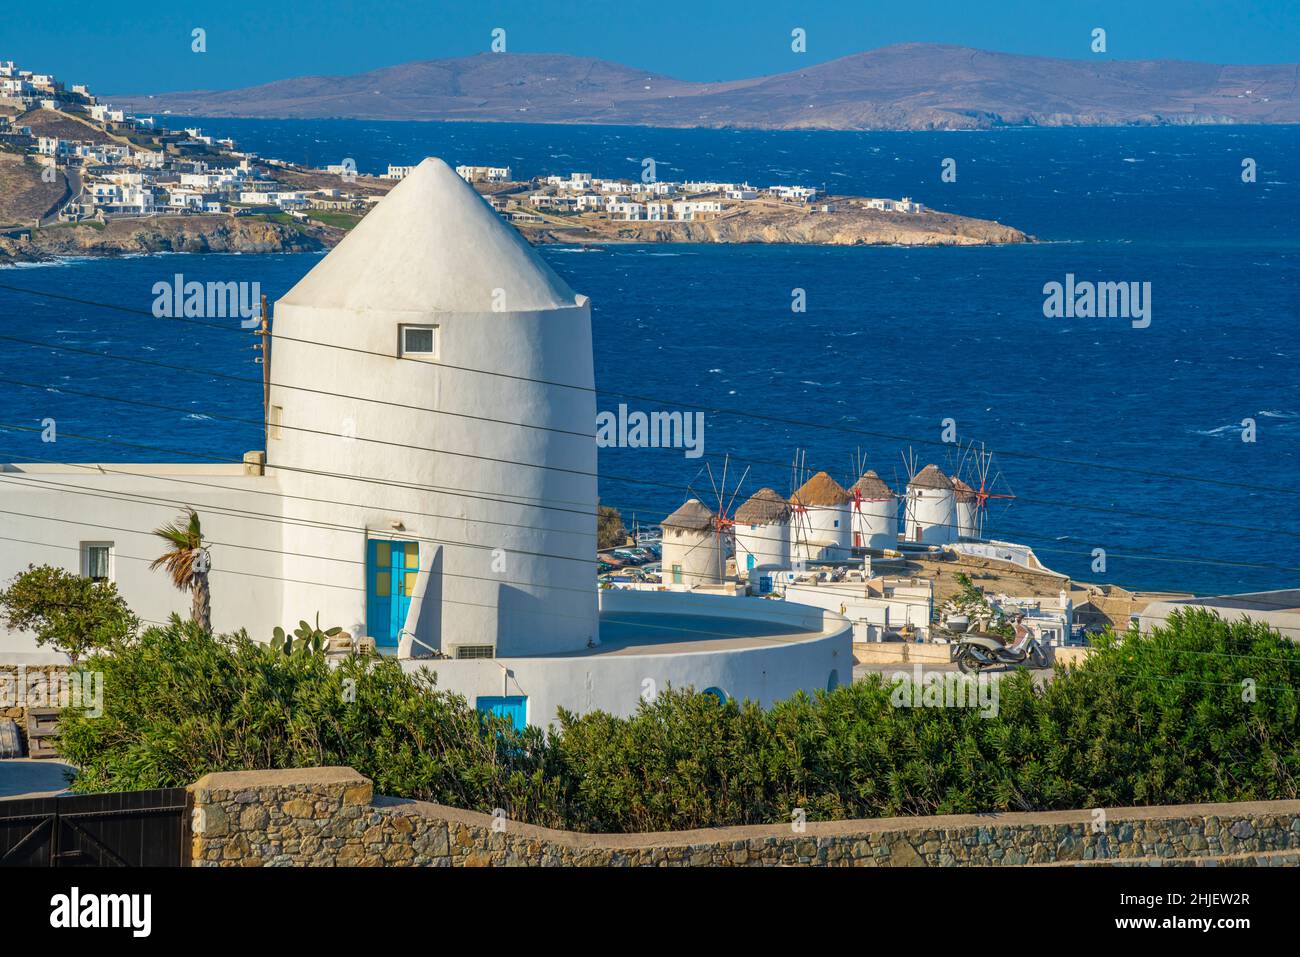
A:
[306,638]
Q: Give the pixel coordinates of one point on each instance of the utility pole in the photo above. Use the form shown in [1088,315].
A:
[264,347]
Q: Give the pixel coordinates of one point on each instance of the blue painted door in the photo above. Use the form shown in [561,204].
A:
[514,707]
[392,569]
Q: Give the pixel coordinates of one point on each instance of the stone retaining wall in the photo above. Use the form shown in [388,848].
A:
[21,684]
[330,816]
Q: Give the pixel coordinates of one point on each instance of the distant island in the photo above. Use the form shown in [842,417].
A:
[80,177]
[913,86]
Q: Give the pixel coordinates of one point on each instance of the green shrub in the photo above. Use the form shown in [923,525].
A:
[1157,719]
[180,703]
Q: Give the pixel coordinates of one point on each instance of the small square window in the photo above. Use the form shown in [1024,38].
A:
[420,341]
[97,561]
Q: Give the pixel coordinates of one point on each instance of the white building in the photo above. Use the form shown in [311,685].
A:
[904,205]
[692,548]
[794,194]
[284,199]
[762,534]
[628,211]
[440,497]
[484,174]
[1280,610]
[692,209]
[822,520]
[879,608]
[875,513]
[931,517]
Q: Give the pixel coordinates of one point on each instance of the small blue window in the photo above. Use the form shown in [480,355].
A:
[514,707]
[717,693]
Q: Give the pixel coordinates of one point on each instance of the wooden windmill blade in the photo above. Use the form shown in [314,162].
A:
[725,522]
[985,491]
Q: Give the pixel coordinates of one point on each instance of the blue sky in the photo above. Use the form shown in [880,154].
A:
[146,48]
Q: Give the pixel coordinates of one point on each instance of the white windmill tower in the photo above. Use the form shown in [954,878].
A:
[931,507]
[984,484]
[762,533]
[444,323]
[823,519]
[874,509]
[690,555]
[697,539]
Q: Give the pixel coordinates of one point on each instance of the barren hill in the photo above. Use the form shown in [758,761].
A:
[908,86]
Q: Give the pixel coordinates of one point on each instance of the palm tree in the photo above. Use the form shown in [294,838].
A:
[187,563]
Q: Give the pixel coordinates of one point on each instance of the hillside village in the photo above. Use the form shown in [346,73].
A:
[649,201]
[123,183]
[113,164]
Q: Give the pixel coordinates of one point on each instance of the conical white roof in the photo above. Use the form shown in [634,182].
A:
[433,245]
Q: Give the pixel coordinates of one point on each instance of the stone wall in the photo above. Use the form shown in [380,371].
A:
[330,816]
[21,684]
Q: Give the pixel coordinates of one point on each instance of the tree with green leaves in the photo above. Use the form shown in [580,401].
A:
[610,530]
[187,563]
[70,612]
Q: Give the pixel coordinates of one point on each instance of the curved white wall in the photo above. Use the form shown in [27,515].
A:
[766,671]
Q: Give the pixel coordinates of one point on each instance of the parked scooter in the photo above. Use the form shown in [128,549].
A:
[973,653]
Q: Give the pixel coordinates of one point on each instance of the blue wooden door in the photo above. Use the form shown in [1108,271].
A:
[392,569]
[514,707]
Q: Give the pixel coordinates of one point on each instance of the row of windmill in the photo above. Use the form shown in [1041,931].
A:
[821,520]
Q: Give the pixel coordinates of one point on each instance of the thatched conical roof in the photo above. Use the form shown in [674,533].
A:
[931,477]
[693,515]
[872,487]
[821,491]
[964,492]
[764,507]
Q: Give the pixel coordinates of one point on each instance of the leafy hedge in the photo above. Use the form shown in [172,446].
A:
[1158,719]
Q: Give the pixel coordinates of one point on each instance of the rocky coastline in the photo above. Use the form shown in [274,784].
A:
[212,233]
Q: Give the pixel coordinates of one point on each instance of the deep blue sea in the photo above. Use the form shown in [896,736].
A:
[1109,436]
